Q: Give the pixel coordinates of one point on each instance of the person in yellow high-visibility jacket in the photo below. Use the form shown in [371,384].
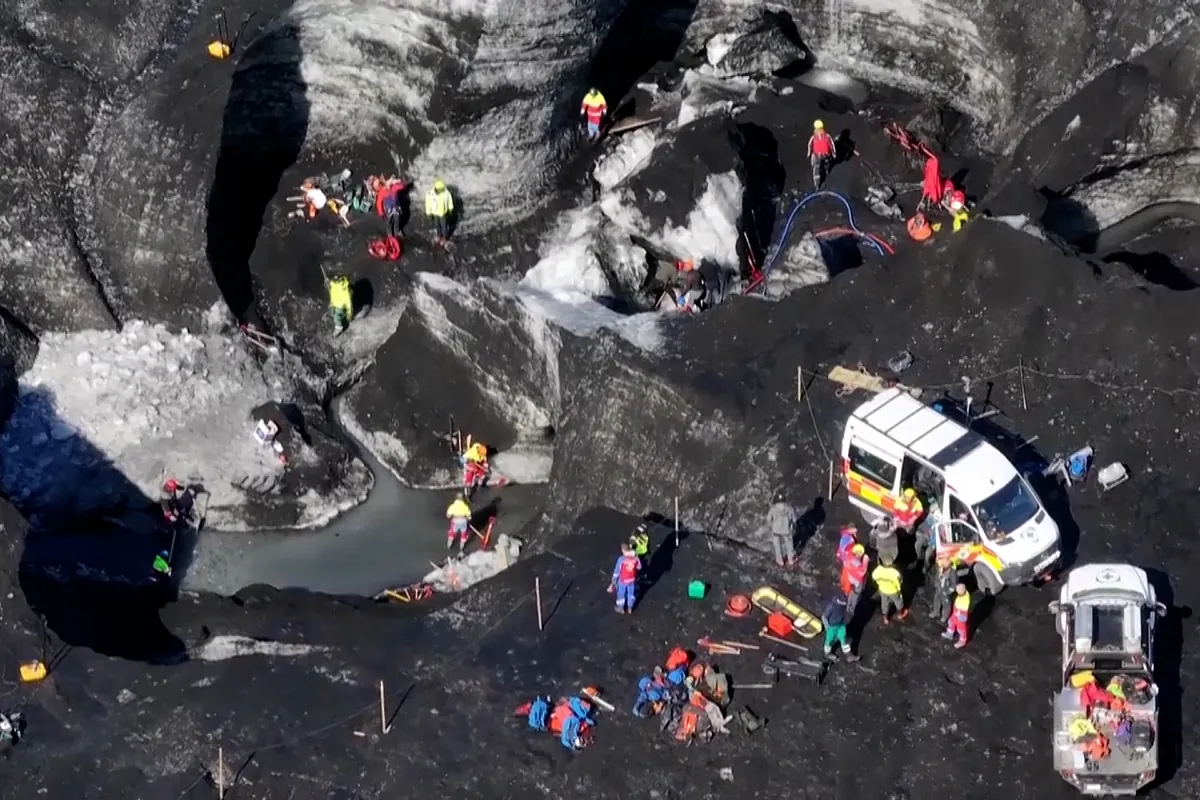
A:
[341,303]
[889,584]
[459,514]
[439,207]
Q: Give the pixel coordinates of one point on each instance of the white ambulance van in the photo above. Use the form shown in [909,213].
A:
[992,520]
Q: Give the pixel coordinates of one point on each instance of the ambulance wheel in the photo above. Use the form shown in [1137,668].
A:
[987,581]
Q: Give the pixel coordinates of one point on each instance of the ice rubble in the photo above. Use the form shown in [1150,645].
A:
[709,95]
[801,264]
[479,565]
[632,153]
[102,415]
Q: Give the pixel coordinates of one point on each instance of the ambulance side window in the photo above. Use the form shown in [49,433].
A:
[872,467]
[962,524]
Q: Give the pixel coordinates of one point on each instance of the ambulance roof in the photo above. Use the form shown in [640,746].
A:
[1098,579]
[974,469]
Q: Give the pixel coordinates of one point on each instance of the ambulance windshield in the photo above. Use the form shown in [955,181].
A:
[1007,510]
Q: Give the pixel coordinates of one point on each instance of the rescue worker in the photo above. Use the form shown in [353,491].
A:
[943,588]
[439,207]
[475,466]
[162,565]
[177,502]
[693,290]
[854,577]
[909,510]
[885,536]
[960,617]
[592,112]
[821,153]
[781,522]
[624,580]
[389,204]
[925,538]
[835,619]
[639,540]
[846,539]
[919,229]
[954,200]
[341,305]
[889,583]
[459,514]
[652,694]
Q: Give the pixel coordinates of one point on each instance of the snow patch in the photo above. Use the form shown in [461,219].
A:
[836,83]
[223,648]
[102,415]
[1022,223]
[631,154]
[802,264]
[478,566]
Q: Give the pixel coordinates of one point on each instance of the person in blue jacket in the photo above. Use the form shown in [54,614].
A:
[624,579]
[580,713]
[652,689]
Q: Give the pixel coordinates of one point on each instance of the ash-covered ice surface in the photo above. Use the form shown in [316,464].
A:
[153,215]
[144,404]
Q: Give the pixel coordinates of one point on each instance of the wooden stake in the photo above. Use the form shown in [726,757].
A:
[1021,375]
[383,725]
[220,772]
[800,384]
[677,523]
[537,590]
[763,633]
[742,645]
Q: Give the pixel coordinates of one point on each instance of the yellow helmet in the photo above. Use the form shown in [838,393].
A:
[818,125]
[910,493]
[438,186]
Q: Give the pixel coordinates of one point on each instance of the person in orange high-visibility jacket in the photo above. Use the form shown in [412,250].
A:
[959,617]
[919,229]
[854,576]
[908,510]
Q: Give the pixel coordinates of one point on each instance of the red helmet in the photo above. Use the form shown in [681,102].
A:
[172,485]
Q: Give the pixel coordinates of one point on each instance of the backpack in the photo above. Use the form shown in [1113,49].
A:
[539,711]
[677,658]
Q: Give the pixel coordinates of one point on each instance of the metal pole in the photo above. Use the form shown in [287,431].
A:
[800,384]
[1021,375]
[537,590]
[830,496]
[383,726]
[220,772]
[676,522]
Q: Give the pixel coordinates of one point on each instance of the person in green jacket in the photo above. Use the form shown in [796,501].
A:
[161,565]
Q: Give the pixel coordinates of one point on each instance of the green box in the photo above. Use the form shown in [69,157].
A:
[697,590]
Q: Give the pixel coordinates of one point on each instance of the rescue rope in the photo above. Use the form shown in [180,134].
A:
[870,239]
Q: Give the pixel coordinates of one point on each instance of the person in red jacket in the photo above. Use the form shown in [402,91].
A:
[854,576]
[624,580]
[593,109]
[820,153]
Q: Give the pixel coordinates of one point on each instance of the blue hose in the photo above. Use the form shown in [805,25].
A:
[787,229]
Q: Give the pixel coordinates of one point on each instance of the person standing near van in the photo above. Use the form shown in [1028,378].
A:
[781,521]
[854,576]
[890,585]
[908,510]
[943,588]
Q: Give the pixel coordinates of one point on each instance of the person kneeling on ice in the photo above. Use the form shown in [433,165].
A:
[459,514]
[341,306]
[653,694]
[624,580]
[475,466]
[571,720]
